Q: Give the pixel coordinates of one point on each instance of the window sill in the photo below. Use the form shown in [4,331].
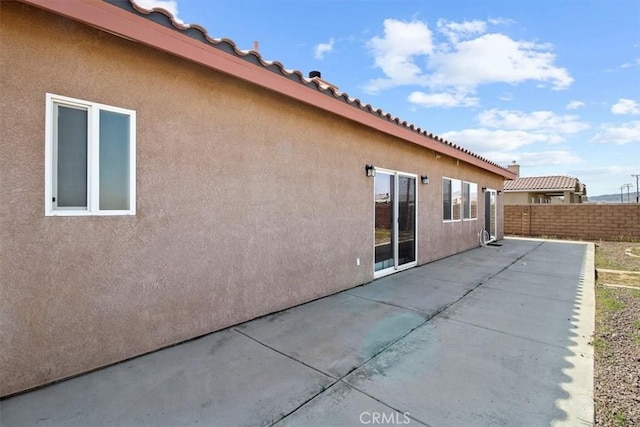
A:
[87,213]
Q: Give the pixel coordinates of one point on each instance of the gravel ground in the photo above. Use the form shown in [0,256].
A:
[617,343]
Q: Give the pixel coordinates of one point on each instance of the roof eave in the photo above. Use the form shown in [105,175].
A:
[540,190]
[114,20]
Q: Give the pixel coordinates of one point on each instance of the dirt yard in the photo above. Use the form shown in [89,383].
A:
[617,337]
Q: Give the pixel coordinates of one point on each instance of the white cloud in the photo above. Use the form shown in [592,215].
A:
[501,21]
[625,106]
[496,58]
[461,30]
[574,105]
[503,133]
[631,64]
[507,96]
[618,134]
[624,66]
[488,140]
[395,53]
[170,6]
[502,146]
[604,172]
[536,121]
[469,56]
[323,48]
[536,158]
[446,100]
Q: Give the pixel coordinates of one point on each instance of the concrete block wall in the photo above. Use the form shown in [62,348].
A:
[578,221]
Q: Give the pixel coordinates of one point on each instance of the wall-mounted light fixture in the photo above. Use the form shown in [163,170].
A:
[424,179]
[499,192]
[371,170]
[484,189]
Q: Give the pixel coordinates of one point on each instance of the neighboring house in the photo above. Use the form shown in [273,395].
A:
[543,189]
[159,184]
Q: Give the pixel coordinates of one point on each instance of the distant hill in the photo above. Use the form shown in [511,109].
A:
[612,198]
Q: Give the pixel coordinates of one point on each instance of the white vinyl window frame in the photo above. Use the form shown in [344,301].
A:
[93,157]
[451,200]
[396,268]
[466,201]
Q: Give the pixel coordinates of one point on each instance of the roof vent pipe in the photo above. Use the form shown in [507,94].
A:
[313,74]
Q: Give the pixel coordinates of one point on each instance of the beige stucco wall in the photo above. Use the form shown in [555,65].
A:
[522,198]
[247,203]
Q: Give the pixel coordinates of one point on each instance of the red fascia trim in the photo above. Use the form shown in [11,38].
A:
[109,18]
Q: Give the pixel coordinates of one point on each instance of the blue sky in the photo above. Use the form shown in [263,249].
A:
[551,84]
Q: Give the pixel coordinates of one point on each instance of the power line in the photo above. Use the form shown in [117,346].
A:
[627,186]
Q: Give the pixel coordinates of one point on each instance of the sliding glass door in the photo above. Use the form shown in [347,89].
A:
[491,214]
[384,224]
[395,222]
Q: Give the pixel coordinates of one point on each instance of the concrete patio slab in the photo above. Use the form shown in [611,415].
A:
[342,405]
[487,265]
[491,258]
[526,283]
[474,339]
[557,252]
[452,272]
[221,379]
[566,270]
[428,296]
[535,318]
[335,334]
[449,373]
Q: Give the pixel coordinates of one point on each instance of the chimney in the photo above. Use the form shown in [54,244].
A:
[514,168]
[317,75]
[256,46]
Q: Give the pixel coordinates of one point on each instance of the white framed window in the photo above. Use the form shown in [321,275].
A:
[451,199]
[469,200]
[90,158]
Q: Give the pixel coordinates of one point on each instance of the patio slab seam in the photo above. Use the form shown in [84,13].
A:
[387,303]
[286,355]
[350,371]
[383,349]
[361,364]
[385,404]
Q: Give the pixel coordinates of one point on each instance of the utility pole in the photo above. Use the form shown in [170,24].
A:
[621,199]
[637,176]
[627,186]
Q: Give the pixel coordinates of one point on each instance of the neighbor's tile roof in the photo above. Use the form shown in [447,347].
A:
[541,183]
[165,18]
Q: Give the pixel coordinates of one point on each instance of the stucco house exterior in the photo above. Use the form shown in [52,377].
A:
[557,189]
[160,185]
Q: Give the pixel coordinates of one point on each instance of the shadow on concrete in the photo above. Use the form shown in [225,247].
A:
[493,336]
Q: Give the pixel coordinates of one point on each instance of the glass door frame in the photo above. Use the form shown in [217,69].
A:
[395,231]
[491,194]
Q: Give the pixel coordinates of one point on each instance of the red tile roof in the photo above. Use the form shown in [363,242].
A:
[192,42]
[542,183]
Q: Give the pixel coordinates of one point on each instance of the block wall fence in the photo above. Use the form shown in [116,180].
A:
[578,221]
